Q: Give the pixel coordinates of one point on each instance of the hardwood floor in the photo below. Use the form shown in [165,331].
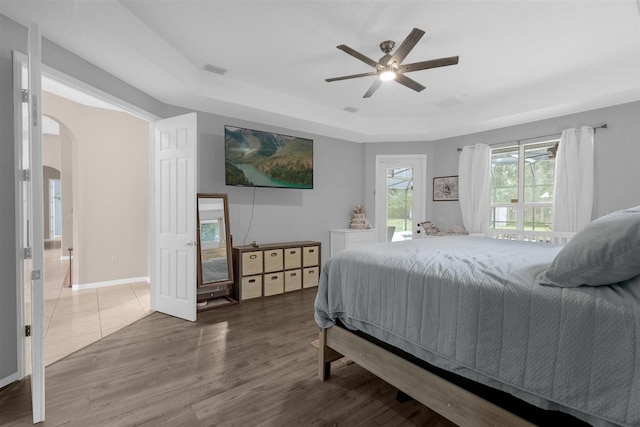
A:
[250,364]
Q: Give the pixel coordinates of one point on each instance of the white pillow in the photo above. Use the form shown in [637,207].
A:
[606,251]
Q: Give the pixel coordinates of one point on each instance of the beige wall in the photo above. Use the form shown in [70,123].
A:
[110,185]
[51,151]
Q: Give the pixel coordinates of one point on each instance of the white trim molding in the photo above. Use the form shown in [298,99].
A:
[93,285]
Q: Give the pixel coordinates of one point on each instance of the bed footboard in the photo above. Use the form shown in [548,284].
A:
[449,400]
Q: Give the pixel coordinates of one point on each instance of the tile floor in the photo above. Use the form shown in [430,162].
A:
[75,319]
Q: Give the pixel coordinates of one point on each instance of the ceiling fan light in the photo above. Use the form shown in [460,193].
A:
[388,75]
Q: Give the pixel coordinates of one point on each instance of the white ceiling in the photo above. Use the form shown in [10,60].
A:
[520,61]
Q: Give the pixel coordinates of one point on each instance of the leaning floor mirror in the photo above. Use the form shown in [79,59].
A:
[215,272]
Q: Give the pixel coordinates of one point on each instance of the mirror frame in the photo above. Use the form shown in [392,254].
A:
[229,244]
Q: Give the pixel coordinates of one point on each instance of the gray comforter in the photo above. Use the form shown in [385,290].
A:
[471,305]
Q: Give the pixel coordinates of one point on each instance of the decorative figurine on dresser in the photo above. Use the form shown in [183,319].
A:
[358,219]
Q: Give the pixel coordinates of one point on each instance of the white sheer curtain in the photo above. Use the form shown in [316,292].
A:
[573,188]
[222,232]
[474,173]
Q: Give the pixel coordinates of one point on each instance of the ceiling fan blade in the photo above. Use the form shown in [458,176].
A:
[358,55]
[433,63]
[352,76]
[376,84]
[410,83]
[414,36]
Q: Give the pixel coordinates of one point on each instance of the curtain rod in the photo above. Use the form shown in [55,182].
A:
[602,126]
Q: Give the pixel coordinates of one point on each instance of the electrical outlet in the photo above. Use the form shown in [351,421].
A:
[114,259]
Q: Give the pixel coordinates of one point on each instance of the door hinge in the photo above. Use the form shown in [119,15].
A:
[26,175]
[27,253]
[27,330]
[25,95]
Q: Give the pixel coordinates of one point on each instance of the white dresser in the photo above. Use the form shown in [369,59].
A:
[348,238]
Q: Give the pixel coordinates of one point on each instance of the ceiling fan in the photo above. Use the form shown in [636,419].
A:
[389,66]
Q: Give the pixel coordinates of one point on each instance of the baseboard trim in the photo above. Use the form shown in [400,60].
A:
[10,379]
[93,285]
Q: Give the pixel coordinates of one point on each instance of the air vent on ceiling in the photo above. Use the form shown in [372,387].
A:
[214,69]
[350,109]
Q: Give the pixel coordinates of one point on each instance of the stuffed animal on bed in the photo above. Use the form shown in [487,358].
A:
[429,228]
[432,230]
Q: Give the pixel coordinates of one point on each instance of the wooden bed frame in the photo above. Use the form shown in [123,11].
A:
[453,402]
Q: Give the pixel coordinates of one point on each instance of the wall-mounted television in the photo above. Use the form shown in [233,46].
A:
[254,158]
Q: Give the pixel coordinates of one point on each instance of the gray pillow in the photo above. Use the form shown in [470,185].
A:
[606,251]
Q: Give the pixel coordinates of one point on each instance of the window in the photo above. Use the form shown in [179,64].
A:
[209,231]
[522,186]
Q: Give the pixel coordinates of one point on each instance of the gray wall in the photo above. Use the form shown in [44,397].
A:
[281,215]
[12,37]
[617,158]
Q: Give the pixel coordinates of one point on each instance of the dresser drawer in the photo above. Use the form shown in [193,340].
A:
[251,287]
[273,283]
[292,258]
[310,256]
[364,236]
[292,280]
[310,277]
[273,260]
[251,263]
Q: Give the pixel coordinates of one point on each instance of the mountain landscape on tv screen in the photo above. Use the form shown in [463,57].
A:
[256,158]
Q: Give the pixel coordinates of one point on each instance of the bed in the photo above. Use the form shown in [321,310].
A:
[531,320]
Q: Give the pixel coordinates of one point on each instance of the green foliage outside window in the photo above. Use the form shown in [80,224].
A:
[535,204]
[399,209]
[400,199]
[210,232]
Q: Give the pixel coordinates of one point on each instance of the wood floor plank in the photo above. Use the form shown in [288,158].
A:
[247,365]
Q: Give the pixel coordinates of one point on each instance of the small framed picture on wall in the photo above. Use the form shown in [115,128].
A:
[445,188]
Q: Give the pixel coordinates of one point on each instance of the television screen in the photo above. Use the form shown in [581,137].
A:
[262,159]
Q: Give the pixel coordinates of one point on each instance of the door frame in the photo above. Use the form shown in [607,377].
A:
[35,198]
[18,60]
[420,196]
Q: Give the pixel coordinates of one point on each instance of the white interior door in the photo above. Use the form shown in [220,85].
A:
[35,215]
[173,259]
[400,202]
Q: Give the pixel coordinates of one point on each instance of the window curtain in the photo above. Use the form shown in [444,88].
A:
[222,232]
[474,175]
[573,187]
